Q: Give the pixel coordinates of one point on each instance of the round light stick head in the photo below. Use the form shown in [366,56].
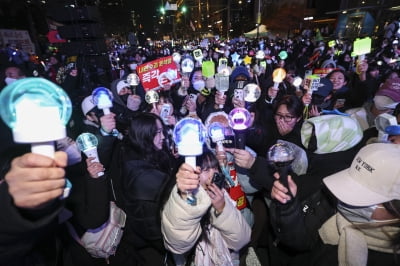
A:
[102,97]
[133,79]
[297,81]
[216,132]
[283,55]
[251,92]
[151,97]
[189,135]
[35,109]
[260,54]
[278,75]
[187,65]
[86,141]
[280,155]
[176,57]
[239,118]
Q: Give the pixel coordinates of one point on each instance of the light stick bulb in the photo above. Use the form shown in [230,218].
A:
[239,120]
[102,97]
[37,111]
[281,155]
[87,143]
[221,84]
[278,76]
[189,136]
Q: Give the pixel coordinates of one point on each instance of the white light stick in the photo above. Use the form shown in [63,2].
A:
[222,85]
[37,111]
[87,143]
[189,135]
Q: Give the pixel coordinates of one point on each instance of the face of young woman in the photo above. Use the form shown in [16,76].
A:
[338,80]
[284,120]
[159,137]
[206,176]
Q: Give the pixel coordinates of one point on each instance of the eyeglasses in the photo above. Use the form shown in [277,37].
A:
[286,118]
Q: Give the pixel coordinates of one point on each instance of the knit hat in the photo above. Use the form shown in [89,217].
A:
[240,70]
[390,91]
[87,104]
[122,84]
[333,133]
[373,177]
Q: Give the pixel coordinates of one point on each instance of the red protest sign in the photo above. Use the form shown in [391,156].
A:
[157,73]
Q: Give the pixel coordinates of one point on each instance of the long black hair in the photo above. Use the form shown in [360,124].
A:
[142,130]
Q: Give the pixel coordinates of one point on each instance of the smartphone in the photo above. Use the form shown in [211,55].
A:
[164,113]
[238,94]
[219,180]
[193,97]
[340,101]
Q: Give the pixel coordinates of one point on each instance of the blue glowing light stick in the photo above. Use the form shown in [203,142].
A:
[189,135]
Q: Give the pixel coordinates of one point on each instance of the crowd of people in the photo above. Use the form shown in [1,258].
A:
[336,205]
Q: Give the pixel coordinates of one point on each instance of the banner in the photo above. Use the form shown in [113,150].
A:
[18,38]
[157,73]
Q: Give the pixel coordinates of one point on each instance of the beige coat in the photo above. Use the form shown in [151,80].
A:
[181,223]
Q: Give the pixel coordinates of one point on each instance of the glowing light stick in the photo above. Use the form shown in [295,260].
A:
[239,120]
[189,135]
[102,97]
[208,69]
[152,98]
[87,143]
[198,56]
[133,81]
[260,54]
[187,67]
[37,111]
[297,82]
[221,84]
[283,55]
[278,76]
[176,57]
[361,47]
[216,133]
[281,155]
[251,92]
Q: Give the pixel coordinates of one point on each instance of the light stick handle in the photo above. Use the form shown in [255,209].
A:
[43,148]
[92,152]
[190,198]
[106,111]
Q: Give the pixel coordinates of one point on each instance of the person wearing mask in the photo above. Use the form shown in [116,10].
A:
[13,73]
[365,229]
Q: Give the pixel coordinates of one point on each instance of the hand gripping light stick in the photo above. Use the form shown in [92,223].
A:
[281,155]
[133,81]
[221,84]
[37,111]
[87,143]
[278,76]
[216,133]
[152,98]
[311,84]
[102,97]
[189,135]
[239,120]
